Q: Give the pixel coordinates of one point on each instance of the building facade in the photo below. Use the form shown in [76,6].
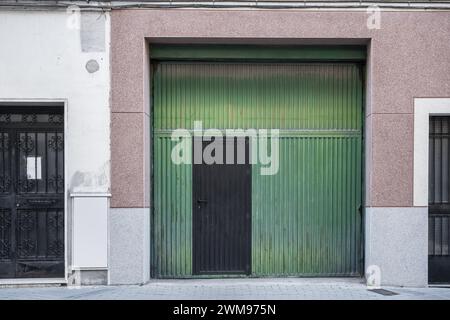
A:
[348,109]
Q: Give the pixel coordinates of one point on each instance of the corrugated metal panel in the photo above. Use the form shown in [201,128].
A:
[172,231]
[233,95]
[305,219]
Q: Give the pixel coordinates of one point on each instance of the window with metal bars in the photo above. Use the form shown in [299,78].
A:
[439,186]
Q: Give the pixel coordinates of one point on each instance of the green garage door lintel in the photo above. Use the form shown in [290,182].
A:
[248,52]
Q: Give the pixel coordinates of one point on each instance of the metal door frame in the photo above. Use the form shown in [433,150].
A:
[48,103]
[359,56]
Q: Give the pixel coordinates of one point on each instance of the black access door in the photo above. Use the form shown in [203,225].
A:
[439,201]
[222,210]
[31,193]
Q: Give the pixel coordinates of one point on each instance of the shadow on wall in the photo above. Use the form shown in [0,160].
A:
[96,181]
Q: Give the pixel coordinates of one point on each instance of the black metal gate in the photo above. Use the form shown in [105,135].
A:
[222,210]
[439,205]
[31,193]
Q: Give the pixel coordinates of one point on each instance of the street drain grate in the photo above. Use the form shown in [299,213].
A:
[384,292]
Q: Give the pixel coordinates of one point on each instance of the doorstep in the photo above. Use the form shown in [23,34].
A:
[32,282]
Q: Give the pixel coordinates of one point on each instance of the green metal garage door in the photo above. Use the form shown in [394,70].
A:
[305,220]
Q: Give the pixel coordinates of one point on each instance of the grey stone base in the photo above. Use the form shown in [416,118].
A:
[396,242]
[129,245]
[88,278]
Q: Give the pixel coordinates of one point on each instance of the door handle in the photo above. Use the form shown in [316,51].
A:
[202,201]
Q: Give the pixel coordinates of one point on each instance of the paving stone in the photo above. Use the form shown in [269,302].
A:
[226,289]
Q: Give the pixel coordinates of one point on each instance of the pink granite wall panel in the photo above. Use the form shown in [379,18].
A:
[127,149]
[409,58]
[392,159]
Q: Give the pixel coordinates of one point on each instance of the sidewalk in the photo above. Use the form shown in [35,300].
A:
[224,289]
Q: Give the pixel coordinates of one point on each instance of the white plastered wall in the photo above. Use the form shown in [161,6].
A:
[43,58]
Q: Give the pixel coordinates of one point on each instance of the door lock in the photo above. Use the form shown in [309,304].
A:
[200,201]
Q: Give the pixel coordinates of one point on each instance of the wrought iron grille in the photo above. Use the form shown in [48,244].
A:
[439,186]
[31,192]
[5,234]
